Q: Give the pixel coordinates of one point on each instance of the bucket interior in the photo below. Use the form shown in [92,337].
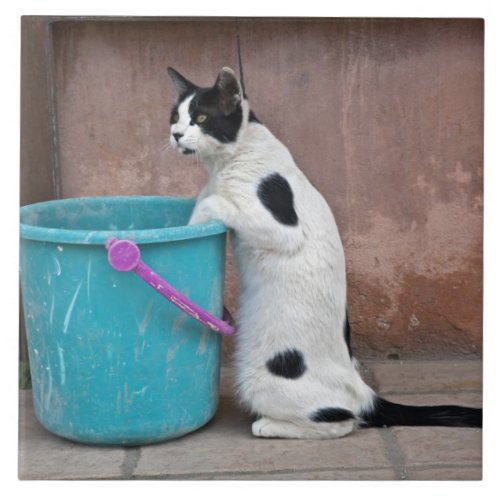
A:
[110,214]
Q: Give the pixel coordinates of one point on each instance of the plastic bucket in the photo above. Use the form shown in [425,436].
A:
[113,362]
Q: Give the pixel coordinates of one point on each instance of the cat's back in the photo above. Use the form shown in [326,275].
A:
[265,182]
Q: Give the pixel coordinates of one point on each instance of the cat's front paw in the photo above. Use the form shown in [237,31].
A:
[210,208]
[259,427]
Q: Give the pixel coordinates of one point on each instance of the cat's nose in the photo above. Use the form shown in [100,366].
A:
[177,136]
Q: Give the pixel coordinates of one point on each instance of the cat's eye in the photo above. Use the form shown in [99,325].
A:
[174,118]
[201,118]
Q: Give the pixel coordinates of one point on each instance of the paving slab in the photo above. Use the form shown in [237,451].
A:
[439,445]
[42,455]
[446,473]
[226,445]
[312,475]
[429,376]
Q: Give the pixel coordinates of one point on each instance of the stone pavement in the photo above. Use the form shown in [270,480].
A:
[225,449]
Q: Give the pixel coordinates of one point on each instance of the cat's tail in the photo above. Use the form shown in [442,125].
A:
[386,414]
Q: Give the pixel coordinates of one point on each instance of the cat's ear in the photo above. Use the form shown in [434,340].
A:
[182,85]
[229,90]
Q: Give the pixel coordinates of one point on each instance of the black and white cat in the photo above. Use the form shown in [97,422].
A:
[293,360]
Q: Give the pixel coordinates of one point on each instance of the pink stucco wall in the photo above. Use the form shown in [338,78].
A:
[384,116]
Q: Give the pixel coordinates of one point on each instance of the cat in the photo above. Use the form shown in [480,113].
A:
[294,366]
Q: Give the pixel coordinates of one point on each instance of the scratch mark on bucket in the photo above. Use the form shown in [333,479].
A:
[48,395]
[62,366]
[118,403]
[89,268]
[69,312]
[126,399]
[141,392]
[58,266]
[51,314]
[179,322]
[144,323]
[202,345]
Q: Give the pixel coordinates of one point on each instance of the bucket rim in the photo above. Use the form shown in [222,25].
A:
[99,237]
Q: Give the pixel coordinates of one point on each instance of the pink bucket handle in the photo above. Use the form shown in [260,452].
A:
[124,255]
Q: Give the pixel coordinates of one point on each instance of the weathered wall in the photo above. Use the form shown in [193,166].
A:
[384,116]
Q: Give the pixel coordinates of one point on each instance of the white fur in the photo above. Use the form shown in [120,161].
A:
[292,280]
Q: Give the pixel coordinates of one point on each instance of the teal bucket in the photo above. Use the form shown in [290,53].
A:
[112,361]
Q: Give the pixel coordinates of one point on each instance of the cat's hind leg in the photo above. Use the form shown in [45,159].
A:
[270,428]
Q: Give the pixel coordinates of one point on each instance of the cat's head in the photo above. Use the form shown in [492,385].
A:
[205,120]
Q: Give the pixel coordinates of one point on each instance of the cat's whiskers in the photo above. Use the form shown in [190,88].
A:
[197,157]
[162,145]
[165,146]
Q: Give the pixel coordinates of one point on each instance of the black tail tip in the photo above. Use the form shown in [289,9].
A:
[387,414]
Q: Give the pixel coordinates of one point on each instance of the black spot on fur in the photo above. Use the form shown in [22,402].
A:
[347,334]
[287,364]
[276,195]
[330,414]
